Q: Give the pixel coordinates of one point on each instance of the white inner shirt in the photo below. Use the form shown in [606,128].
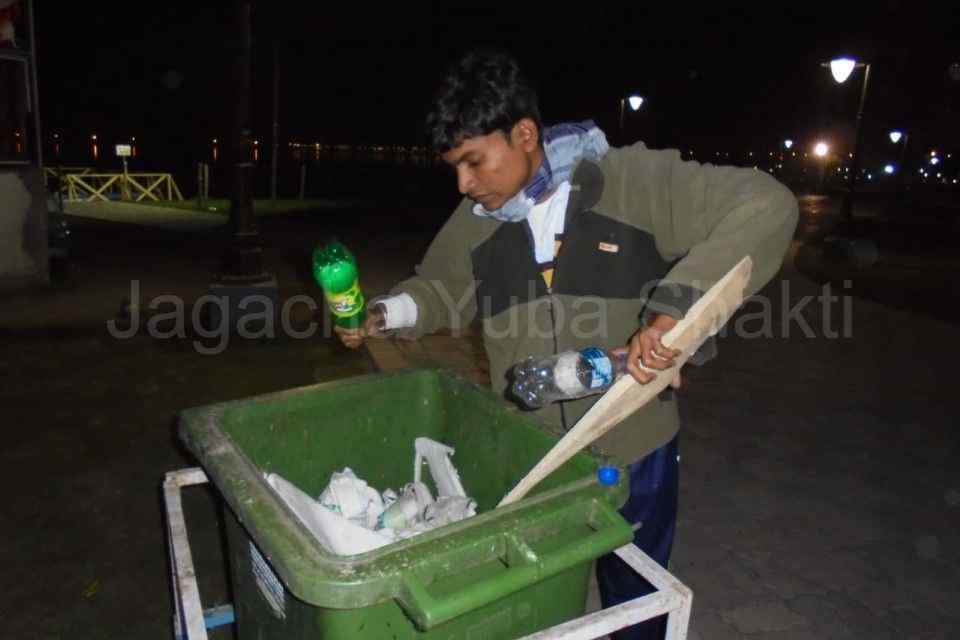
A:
[545,220]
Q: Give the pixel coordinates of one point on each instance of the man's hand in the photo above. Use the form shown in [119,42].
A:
[646,347]
[373,327]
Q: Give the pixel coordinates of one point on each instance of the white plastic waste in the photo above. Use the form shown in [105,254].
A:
[406,510]
[352,517]
[352,498]
[444,474]
[449,509]
[335,532]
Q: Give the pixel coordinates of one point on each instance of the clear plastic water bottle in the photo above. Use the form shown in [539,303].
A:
[572,374]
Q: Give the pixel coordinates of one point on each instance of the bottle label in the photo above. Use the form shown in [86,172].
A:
[347,303]
[565,374]
[602,367]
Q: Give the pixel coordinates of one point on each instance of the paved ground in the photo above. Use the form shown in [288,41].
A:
[820,489]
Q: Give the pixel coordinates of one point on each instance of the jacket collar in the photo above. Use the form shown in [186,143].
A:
[586,187]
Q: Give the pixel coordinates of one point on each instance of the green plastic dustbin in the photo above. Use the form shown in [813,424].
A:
[502,574]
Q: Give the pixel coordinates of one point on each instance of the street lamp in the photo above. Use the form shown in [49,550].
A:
[788,143]
[821,149]
[842,69]
[635,101]
[896,136]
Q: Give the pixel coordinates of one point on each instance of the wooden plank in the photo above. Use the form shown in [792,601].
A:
[100,182]
[94,192]
[705,318]
[148,192]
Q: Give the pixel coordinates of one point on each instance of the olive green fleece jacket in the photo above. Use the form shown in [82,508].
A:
[645,231]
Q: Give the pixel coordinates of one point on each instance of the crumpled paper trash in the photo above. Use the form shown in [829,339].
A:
[352,517]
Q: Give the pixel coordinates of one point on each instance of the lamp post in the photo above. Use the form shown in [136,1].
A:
[842,69]
[821,149]
[896,136]
[242,279]
[635,101]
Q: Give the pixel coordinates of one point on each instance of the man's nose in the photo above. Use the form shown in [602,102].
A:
[465,180]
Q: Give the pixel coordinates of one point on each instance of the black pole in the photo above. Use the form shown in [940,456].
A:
[243,258]
[622,139]
[34,91]
[855,164]
[902,175]
[243,283]
[276,122]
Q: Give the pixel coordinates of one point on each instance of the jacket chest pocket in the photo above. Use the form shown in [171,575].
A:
[606,258]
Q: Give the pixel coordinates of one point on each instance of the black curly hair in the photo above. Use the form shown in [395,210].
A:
[483,92]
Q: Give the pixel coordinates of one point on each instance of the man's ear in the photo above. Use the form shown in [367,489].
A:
[526,135]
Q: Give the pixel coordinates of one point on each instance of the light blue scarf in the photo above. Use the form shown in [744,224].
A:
[564,145]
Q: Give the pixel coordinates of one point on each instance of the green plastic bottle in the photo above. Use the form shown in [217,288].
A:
[335,270]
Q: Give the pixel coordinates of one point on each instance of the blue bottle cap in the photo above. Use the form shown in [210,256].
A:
[608,476]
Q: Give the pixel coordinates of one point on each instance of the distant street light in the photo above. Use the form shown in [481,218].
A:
[896,136]
[788,143]
[889,169]
[635,101]
[842,68]
[821,149]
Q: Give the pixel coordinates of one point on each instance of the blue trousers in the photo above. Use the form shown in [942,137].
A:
[653,502]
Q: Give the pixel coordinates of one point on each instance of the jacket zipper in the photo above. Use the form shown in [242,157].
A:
[553,326]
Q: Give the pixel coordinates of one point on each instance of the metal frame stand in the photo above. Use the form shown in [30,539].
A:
[191,620]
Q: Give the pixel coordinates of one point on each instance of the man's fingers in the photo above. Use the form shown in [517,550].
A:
[343,331]
[370,327]
[648,354]
[640,375]
[664,352]
[352,341]
[351,338]
[633,359]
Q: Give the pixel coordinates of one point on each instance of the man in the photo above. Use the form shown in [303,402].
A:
[563,243]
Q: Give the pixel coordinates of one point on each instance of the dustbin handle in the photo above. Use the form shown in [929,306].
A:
[524,568]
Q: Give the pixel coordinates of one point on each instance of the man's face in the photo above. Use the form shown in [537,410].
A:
[491,169]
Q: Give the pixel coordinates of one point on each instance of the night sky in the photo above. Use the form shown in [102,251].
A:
[732,77]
